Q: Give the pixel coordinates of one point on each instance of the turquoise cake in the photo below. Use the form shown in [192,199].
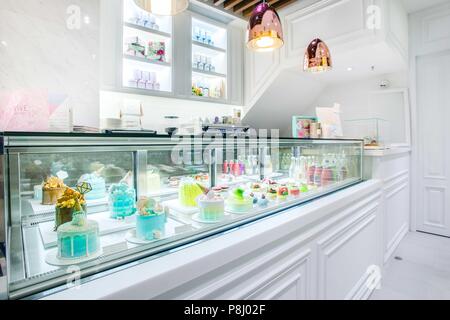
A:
[151,220]
[98,186]
[122,199]
[79,238]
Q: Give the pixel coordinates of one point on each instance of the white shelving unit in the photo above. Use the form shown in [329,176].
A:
[150,68]
[209,59]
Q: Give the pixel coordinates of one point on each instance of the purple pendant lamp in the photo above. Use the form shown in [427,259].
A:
[265,32]
[317,57]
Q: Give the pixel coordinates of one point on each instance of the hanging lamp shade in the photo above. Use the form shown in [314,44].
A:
[265,32]
[163,7]
[318,57]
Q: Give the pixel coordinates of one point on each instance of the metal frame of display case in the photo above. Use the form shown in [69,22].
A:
[19,285]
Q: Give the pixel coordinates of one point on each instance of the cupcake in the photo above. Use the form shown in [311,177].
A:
[294,191]
[282,193]
[52,189]
[272,194]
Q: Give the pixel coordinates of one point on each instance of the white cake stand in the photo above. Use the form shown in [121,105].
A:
[52,259]
[132,238]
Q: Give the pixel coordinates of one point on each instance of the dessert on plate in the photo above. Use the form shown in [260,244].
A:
[151,219]
[97,183]
[212,207]
[52,189]
[78,238]
[65,206]
[239,202]
[189,191]
[122,199]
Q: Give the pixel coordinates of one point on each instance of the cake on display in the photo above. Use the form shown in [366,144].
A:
[78,238]
[52,189]
[212,207]
[151,219]
[272,193]
[294,190]
[239,202]
[97,184]
[122,199]
[189,191]
[65,206]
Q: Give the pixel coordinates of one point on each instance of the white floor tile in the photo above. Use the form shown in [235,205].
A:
[423,272]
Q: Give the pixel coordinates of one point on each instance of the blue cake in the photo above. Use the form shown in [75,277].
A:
[79,238]
[98,186]
[122,199]
[151,220]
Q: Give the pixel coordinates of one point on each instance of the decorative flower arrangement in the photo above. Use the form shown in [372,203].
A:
[68,199]
[53,183]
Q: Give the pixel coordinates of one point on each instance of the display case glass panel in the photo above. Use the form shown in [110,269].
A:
[142,196]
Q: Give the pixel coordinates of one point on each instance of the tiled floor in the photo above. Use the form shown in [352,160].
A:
[423,272]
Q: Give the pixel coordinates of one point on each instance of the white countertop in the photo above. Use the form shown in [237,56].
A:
[148,279]
[385,152]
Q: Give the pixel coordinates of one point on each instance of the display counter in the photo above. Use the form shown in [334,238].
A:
[87,206]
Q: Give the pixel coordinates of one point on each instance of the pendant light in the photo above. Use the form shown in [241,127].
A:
[265,32]
[163,7]
[317,57]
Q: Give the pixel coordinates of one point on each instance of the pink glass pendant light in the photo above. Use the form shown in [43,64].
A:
[265,32]
[163,7]
[317,57]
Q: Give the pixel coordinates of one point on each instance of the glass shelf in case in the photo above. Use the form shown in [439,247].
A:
[149,195]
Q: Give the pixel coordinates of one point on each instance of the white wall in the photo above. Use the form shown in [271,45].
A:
[38,51]
[155,108]
[292,93]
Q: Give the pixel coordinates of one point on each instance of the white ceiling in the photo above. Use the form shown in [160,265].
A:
[417,5]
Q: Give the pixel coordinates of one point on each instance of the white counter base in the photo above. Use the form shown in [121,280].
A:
[326,249]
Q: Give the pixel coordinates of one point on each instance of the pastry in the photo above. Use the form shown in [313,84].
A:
[52,189]
[78,238]
[98,185]
[151,219]
[189,191]
[282,193]
[238,202]
[294,191]
[272,193]
[263,202]
[212,207]
[122,200]
[65,206]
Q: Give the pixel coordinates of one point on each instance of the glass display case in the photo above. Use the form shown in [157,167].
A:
[93,203]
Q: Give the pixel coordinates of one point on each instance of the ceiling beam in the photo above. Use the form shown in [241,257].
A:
[244,5]
[230,4]
[283,3]
[276,4]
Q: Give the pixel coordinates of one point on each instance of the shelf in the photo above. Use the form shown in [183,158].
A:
[144,60]
[209,73]
[207,46]
[148,30]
